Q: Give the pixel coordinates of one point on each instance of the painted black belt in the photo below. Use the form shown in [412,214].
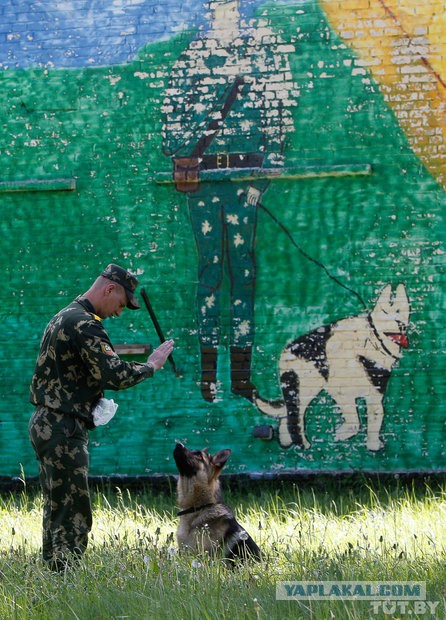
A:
[231,160]
[187,170]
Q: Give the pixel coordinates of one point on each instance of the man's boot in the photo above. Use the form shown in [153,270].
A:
[208,373]
[241,372]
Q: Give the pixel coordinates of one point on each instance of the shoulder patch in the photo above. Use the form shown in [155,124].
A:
[106,348]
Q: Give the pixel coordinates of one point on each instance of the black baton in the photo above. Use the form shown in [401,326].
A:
[159,331]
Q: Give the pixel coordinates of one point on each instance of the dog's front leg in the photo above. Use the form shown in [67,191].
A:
[350,426]
[375,415]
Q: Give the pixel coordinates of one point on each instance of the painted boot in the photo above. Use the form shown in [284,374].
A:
[241,372]
[208,373]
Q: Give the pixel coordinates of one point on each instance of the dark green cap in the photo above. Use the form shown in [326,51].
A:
[121,276]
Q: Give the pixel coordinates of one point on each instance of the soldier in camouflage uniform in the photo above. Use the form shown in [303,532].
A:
[76,363]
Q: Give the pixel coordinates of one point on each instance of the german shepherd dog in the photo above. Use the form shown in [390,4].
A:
[207,524]
[351,359]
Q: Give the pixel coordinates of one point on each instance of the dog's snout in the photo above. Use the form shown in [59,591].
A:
[179,451]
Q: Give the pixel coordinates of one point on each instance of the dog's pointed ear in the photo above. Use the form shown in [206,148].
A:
[384,296]
[401,303]
[219,459]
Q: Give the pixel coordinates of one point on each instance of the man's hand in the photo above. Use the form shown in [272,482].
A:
[253,196]
[159,356]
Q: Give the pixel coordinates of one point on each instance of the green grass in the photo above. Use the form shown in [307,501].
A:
[334,530]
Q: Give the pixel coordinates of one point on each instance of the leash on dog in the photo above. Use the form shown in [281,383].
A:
[307,256]
[159,331]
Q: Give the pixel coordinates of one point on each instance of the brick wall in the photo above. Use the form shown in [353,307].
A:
[344,104]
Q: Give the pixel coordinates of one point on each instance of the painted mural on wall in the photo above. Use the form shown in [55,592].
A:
[409,66]
[370,346]
[227,111]
[273,172]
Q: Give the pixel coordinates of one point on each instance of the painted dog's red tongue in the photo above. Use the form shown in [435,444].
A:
[400,339]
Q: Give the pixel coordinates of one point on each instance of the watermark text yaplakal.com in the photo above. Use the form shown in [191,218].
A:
[351,590]
[388,597]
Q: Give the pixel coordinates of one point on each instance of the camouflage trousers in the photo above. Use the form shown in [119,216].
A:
[60,443]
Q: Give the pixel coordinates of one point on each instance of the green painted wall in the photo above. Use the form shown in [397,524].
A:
[103,128]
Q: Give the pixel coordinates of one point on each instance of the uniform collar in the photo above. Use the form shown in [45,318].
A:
[85,303]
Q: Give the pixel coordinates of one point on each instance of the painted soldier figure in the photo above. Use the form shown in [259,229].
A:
[76,363]
[227,108]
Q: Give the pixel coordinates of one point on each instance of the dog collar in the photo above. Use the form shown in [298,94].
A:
[380,340]
[189,511]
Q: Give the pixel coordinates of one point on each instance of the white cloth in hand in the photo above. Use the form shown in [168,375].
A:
[104,411]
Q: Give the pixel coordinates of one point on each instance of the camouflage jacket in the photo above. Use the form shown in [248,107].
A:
[77,362]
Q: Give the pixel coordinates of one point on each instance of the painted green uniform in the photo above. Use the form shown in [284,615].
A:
[75,365]
[226,128]
[251,135]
